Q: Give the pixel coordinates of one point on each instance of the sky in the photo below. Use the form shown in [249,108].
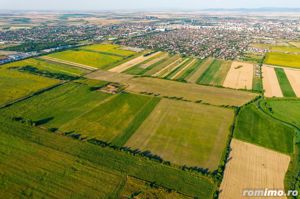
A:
[141,4]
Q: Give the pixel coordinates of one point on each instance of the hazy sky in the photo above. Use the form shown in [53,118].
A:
[141,4]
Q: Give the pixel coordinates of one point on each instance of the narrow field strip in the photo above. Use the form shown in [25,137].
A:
[284,83]
[155,60]
[240,76]
[190,71]
[252,167]
[91,68]
[203,67]
[177,68]
[125,66]
[294,79]
[160,65]
[270,83]
[163,70]
[182,70]
[208,75]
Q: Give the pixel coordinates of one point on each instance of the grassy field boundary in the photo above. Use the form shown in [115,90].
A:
[284,83]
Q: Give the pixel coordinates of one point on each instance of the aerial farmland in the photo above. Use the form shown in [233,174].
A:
[126,113]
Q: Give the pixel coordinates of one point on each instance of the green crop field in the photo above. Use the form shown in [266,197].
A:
[286,110]
[185,133]
[283,59]
[161,65]
[49,66]
[15,84]
[216,73]
[284,83]
[189,71]
[110,49]
[79,169]
[74,108]
[93,59]
[140,69]
[256,127]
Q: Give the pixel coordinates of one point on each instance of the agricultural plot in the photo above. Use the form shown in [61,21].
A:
[169,68]
[215,74]
[294,79]
[240,76]
[185,133]
[285,110]
[251,166]
[15,84]
[284,83]
[188,71]
[29,169]
[192,92]
[270,82]
[256,127]
[88,58]
[50,66]
[76,109]
[148,64]
[127,65]
[80,169]
[109,49]
[142,189]
[194,77]
[155,68]
[283,59]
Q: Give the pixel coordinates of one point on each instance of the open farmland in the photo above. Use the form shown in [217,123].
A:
[254,167]
[240,76]
[127,65]
[284,83]
[143,189]
[50,66]
[256,127]
[194,77]
[185,133]
[76,109]
[192,92]
[283,59]
[15,84]
[80,169]
[109,49]
[148,64]
[155,68]
[270,82]
[294,79]
[93,59]
[215,74]
[102,56]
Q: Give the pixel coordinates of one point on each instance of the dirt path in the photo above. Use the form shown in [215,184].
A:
[294,79]
[270,82]
[202,68]
[240,76]
[90,68]
[252,167]
[125,66]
